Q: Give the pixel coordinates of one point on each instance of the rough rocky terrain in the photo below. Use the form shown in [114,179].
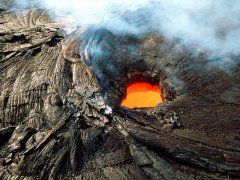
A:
[60,114]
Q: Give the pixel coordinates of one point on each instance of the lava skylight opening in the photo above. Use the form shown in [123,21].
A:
[142,95]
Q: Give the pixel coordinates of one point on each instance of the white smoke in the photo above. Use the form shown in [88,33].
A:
[208,25]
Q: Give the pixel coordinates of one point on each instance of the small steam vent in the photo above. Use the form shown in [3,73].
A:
[142,95]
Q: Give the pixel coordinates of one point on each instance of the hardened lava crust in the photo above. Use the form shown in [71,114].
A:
[60,114]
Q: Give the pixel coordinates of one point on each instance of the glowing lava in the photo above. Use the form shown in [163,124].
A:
[142,95]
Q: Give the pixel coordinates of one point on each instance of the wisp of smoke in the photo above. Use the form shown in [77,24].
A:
[208,25]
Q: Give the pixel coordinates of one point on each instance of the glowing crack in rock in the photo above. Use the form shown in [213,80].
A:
[142,95]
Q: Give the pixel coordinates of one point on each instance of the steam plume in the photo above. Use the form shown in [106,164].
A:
[208,25]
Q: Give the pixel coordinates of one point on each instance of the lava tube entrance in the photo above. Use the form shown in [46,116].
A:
[142,95]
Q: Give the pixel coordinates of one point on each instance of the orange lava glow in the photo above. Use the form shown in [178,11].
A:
[142,95]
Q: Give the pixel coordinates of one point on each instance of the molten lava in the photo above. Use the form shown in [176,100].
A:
[142,95]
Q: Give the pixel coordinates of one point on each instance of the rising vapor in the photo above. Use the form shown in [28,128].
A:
[207,25]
